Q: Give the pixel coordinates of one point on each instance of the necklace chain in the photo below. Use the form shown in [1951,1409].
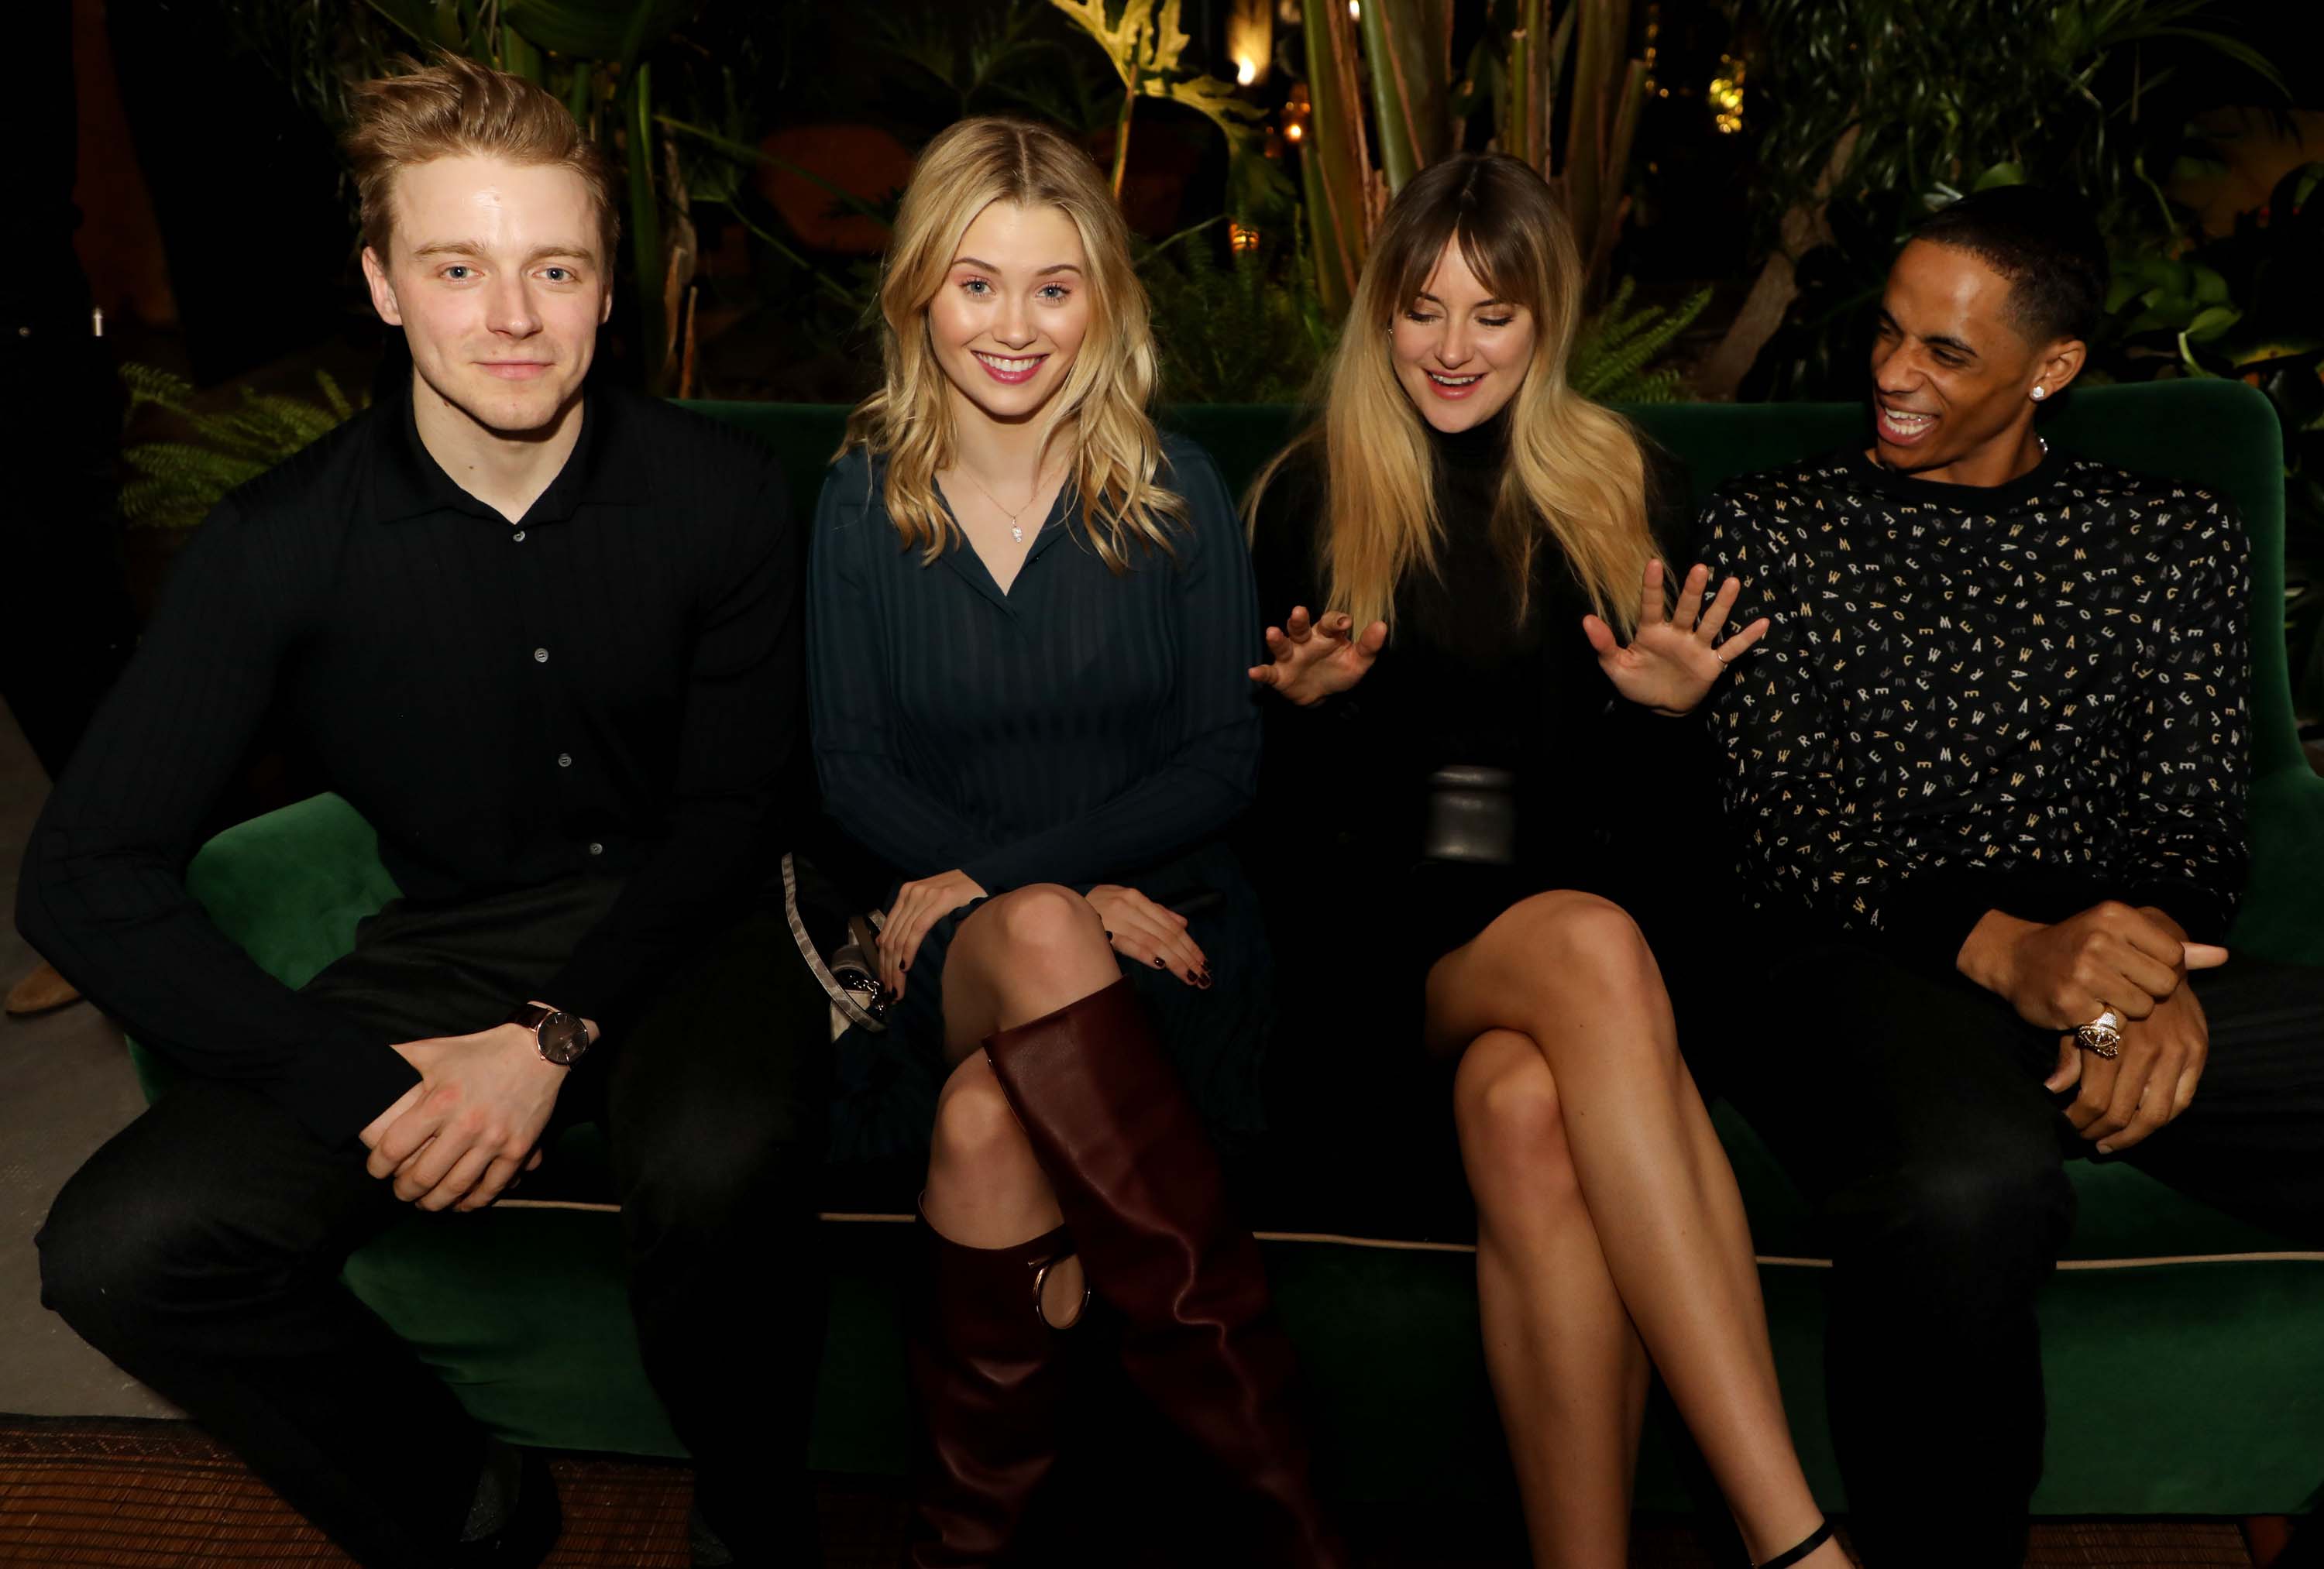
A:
[1015,533]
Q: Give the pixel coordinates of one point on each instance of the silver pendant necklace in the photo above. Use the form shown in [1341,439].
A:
[1015,532]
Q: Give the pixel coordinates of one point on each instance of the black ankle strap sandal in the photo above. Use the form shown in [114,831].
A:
[1785,1560]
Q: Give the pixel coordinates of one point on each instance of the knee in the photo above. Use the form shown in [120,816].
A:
[1044,923]
[1584,932]
[721,1162]
[110,1253]
[1562,941]
[1512,1124]
[1984,1216]
[977,1135]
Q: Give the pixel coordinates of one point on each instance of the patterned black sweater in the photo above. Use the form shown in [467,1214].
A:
[2029,698]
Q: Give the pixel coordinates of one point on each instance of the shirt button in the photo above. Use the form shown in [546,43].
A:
[565,759]
[597,850]
[517,536]
[541,656]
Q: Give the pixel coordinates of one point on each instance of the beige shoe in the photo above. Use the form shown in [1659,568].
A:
[40,992]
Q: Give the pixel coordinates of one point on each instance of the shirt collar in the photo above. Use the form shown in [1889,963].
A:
[408,482]
[1982,498]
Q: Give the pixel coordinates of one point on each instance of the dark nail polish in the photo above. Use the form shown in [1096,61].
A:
[1160,964]
[1203,980]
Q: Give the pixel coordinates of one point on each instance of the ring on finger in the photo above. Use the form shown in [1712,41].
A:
[2102,1036]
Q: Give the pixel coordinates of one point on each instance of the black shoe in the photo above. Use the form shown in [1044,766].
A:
[535,1519]
[1816,1538]
[707,1552]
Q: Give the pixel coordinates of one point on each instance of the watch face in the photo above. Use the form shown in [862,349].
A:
[563,1039]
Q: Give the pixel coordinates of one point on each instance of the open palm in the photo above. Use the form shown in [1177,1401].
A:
[1673,660]
[1311,660]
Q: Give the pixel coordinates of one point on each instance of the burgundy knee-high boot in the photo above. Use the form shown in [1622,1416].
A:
[1145,1202]
[984,1373]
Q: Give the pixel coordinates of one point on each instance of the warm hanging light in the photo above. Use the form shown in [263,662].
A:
[1726,96]
[1250,39]
[1239,238]
[1295,110]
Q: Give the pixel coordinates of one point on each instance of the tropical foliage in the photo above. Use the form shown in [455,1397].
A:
[178,481]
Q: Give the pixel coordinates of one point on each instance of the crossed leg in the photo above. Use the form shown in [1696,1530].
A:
[1020,955]
[1609,1229]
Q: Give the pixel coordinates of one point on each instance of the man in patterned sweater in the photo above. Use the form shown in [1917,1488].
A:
[1987,777]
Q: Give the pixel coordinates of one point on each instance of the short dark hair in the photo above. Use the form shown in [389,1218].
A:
[2044,241]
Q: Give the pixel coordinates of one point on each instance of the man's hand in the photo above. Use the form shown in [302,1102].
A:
[1673,661]
[460,1135]
[2150,1080]
[2063,975]
[1311,660]
[920,905]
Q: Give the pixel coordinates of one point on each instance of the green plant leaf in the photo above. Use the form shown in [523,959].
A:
[2211,323]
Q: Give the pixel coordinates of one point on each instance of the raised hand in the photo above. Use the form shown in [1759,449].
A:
[1673,661]
[1314,659]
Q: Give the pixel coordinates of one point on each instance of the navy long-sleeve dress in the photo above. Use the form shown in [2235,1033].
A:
[1085,727]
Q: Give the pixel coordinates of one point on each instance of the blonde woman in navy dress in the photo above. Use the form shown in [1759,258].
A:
[1029,617]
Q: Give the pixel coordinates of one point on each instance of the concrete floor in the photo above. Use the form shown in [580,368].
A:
[65,1087]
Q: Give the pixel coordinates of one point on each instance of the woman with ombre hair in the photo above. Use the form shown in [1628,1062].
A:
[1030,616]
[1476,797]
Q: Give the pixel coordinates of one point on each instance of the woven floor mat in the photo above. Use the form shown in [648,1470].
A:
[107,1494]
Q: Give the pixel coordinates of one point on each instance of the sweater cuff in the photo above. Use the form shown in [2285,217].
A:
[1926,919]
[335,1093]
[2205,914]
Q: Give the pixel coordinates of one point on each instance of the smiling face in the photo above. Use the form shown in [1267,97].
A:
[1460,351]
[1012,310]
[494,277]
[1953,374]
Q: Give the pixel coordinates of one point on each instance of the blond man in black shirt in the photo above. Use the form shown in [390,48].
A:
[1987,777]
[544,635]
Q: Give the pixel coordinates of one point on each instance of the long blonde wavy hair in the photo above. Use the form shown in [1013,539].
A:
[1102,408]
[1576,471]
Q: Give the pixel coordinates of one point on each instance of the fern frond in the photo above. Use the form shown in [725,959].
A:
[177,483]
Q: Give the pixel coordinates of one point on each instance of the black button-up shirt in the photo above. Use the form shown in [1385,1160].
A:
[610,685]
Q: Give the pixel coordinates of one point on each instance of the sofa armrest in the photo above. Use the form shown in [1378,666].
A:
[290,887]
[2282,915]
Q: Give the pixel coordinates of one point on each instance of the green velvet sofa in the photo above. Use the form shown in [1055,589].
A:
[2185,1351]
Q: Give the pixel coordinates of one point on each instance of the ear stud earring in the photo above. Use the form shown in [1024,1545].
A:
[2039,394]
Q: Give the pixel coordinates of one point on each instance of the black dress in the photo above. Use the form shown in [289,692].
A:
[1610,797]
[1085,727]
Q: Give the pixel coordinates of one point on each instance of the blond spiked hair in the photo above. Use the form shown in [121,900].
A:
[453,107]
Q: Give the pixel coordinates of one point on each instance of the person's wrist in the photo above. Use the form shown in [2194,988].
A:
[1988,954]
[520,1040]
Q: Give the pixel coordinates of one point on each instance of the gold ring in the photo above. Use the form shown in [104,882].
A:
[2102,1036]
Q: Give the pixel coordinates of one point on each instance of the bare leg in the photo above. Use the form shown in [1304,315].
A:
[1572,973]
[1567,1368]
[1020,955]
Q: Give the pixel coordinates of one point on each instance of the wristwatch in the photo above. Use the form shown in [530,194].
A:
[561,1037]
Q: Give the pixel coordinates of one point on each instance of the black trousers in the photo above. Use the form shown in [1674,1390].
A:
[1912,1111]
[200,1249]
